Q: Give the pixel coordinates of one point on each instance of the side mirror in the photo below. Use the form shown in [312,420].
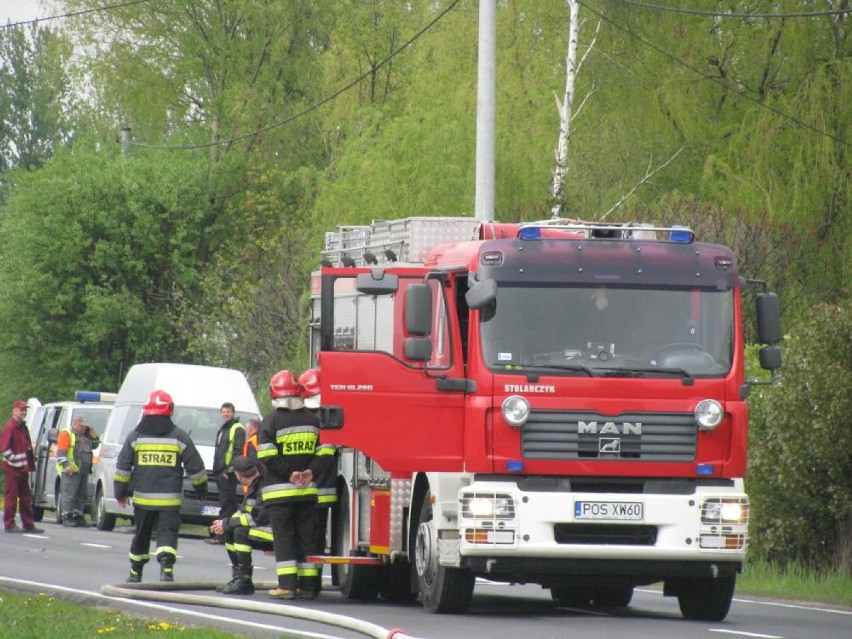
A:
[481,294]
[418,349]
[377,282]
[770,358]
[768,318]
[331,417]
[418,310]
[53,435]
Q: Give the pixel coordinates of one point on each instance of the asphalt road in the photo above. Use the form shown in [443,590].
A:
[76,563]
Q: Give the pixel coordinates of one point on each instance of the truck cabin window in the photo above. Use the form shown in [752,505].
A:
[589,330]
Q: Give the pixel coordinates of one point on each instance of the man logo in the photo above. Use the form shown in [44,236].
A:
[609,445]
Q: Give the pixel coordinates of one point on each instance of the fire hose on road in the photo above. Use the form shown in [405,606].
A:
[168,592]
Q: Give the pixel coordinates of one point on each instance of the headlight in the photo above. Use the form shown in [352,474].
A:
[725,511]
[516,411]
[487,506]
[708,414]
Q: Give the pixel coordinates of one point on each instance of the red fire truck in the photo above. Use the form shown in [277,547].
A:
[560,403]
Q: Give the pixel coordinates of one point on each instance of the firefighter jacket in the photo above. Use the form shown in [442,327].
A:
[16,448]
[251,513]
[75,450]
[288,440]
[151,463]
[326,478]
[229,444]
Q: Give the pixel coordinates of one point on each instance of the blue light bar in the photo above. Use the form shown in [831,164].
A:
[705,469]
[530,233]
[680,234]
[514,466]
[94,396]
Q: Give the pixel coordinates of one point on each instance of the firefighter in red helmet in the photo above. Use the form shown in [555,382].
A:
[287,445]
[150,469]
[326,477]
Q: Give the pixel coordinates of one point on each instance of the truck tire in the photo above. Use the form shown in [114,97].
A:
[705,598]
[442,589]
[103,519]
[356,582]
[396,585]
[613,596]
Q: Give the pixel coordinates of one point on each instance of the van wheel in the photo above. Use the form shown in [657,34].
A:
[103,520]
[58,493]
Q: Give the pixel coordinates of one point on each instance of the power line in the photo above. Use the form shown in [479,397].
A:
[718,81]
[314,106]
[716,14]
[130,3]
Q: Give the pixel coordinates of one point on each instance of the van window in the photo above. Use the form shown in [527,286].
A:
[201,424]
[97,417]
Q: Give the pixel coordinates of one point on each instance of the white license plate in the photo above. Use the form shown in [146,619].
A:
[210,510]
[609,510]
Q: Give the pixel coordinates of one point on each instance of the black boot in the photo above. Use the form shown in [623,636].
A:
[241,586]
[236,574]
[135,573]
[167,573]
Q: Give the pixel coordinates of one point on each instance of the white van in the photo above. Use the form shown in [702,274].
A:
[198,393]
[45,421]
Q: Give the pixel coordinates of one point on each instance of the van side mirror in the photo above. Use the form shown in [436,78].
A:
[770,357]
[53,435]
[768,318]
[418,310]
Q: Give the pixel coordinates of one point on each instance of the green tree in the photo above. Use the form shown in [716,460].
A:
[800,471]
[35,97]
[103,248]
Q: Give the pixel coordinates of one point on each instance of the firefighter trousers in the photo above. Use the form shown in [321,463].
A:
[240,540]
[292,532]
[167,524]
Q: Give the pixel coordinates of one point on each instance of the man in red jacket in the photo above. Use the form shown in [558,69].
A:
[18,462]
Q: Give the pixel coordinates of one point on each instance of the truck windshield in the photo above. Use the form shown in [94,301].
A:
[609,331]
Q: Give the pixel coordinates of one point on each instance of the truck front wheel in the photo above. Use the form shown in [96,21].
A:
[442,589]
[705,598]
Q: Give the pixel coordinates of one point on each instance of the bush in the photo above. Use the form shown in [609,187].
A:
[800,467]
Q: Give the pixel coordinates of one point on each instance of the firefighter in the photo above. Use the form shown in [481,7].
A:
[150,469]
[326,478]
[287,442]
[74,448]
[246,529]
[230,440]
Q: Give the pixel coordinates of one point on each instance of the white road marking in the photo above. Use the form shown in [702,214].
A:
[95,545]
[758,602]
[745,634]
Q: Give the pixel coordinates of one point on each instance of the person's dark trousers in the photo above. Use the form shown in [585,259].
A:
[292,532]
[17,493]
[74,489]
[227,495]
[167,525]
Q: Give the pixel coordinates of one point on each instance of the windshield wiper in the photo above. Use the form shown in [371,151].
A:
[622,372]
[578,368]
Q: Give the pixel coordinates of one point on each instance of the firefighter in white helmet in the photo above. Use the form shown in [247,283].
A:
[287,443]
[150,469]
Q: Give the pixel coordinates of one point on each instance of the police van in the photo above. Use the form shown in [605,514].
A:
[44,422]
[198,393]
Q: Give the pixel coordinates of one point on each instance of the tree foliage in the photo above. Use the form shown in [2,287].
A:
[800,471]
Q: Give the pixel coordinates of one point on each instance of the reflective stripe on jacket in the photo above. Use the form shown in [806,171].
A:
[288,441]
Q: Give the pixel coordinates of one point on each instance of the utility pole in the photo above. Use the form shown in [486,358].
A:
[125,141]
[485,109]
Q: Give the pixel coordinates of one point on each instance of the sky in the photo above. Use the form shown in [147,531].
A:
[19,10]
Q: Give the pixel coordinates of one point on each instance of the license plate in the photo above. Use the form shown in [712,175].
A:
[609,510]
[210,510]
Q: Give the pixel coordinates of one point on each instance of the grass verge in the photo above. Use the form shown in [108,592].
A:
[793,582]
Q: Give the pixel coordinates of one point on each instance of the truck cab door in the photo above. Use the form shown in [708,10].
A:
[396,385]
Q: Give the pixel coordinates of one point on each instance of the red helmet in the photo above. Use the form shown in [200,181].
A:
[310,382]
[159,403]
[284,384]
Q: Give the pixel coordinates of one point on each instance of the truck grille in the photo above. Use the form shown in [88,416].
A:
[569,435]
[602,534]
